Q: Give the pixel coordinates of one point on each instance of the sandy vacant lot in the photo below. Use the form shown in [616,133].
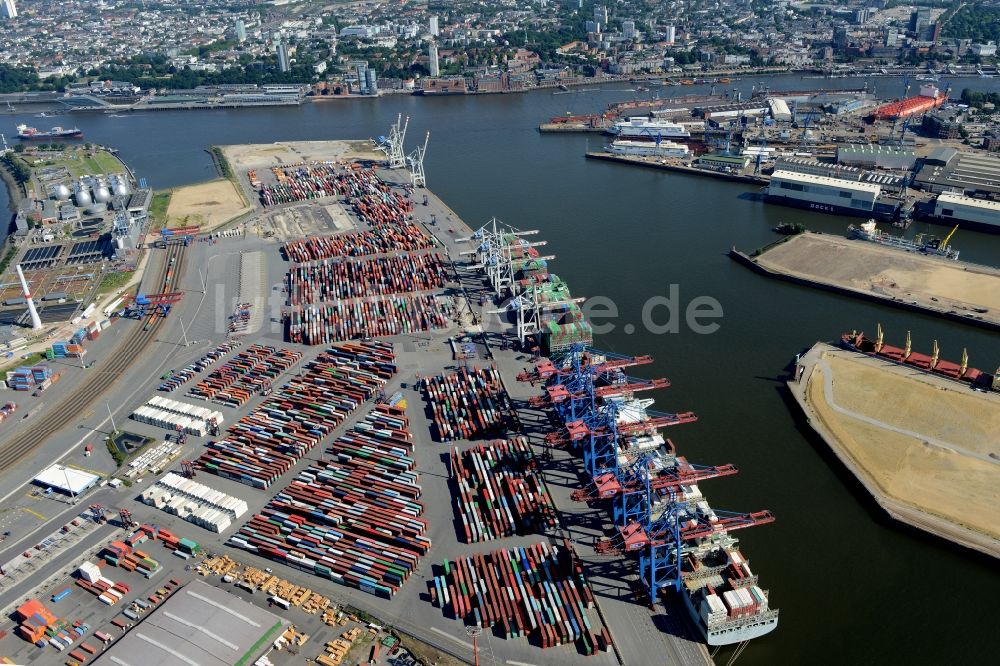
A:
[267,155]
[871,268]
[935,469]
[208,204]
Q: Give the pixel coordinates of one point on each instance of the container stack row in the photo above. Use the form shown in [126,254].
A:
[386,316]
[353,519]
[536,591]
[498,493]
[67,350]
[327,280]
[264,444]
[467,404]
[168,421]
[180,377]
[249,372]
[185,409]
[387,239]
[27,378]
[194,502]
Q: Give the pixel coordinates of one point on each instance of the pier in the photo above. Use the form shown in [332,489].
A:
[960,291]
[918,443]
[674,165]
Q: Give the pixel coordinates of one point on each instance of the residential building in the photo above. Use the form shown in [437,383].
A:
[8,9]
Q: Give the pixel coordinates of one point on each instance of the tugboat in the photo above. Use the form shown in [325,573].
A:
[789,229]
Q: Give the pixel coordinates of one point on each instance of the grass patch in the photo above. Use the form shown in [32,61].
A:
[114,281]
[116,455]
[222,162]
[7,258]
[158,210]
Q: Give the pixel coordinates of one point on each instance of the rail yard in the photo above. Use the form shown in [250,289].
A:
[342,438]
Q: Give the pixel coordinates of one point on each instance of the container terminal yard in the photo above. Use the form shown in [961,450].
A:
[401,424]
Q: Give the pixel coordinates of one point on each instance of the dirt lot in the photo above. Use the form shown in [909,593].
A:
[866,267]
[208,204]
[266,155]
[932,465]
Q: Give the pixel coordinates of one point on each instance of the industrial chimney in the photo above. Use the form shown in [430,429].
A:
[36,323]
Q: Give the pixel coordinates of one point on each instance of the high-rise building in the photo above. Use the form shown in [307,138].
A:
[628,29]
[283,63]
[671,35]
[919,20]
[840,37]
[9,10]
[371,82]
[432,59]
[433,27]
[241,31]
[891,37]
[591,26]
[601,18]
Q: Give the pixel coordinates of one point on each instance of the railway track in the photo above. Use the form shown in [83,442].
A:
[93,386]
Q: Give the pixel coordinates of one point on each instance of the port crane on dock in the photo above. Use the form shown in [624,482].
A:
[180,236]
[657,510]
[153,305]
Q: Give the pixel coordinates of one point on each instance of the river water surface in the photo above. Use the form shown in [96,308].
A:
[853,588]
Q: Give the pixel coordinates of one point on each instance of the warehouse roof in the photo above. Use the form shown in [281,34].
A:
[199,625]
[66,479]
[873,149]
[824,180]
[962,200]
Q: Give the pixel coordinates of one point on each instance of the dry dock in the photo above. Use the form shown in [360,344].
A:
[961,291]
[926,448]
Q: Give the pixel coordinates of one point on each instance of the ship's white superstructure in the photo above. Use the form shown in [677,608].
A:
[648,149]
[648,129]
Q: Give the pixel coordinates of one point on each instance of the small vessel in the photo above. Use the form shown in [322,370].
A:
[648,129]
[789,229]
[27,133]
[932,245]
[648,148]
[933,364]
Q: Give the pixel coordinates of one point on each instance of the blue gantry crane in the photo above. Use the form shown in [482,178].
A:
[656,507]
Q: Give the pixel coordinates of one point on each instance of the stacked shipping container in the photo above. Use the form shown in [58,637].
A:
[186,374]
[355,518]
[467,404]
[248,373]
[261,446]
[536,591]
[498,493]
[382,316]
[327,280]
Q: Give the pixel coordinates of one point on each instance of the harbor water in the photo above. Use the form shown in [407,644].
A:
[852,586]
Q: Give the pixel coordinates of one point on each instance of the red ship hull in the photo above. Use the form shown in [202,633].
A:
[859,342]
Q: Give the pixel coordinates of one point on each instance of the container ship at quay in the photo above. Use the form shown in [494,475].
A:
[648,148]
[661,516]
[29,133]
[648,129]
[933,364]
[933,246]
